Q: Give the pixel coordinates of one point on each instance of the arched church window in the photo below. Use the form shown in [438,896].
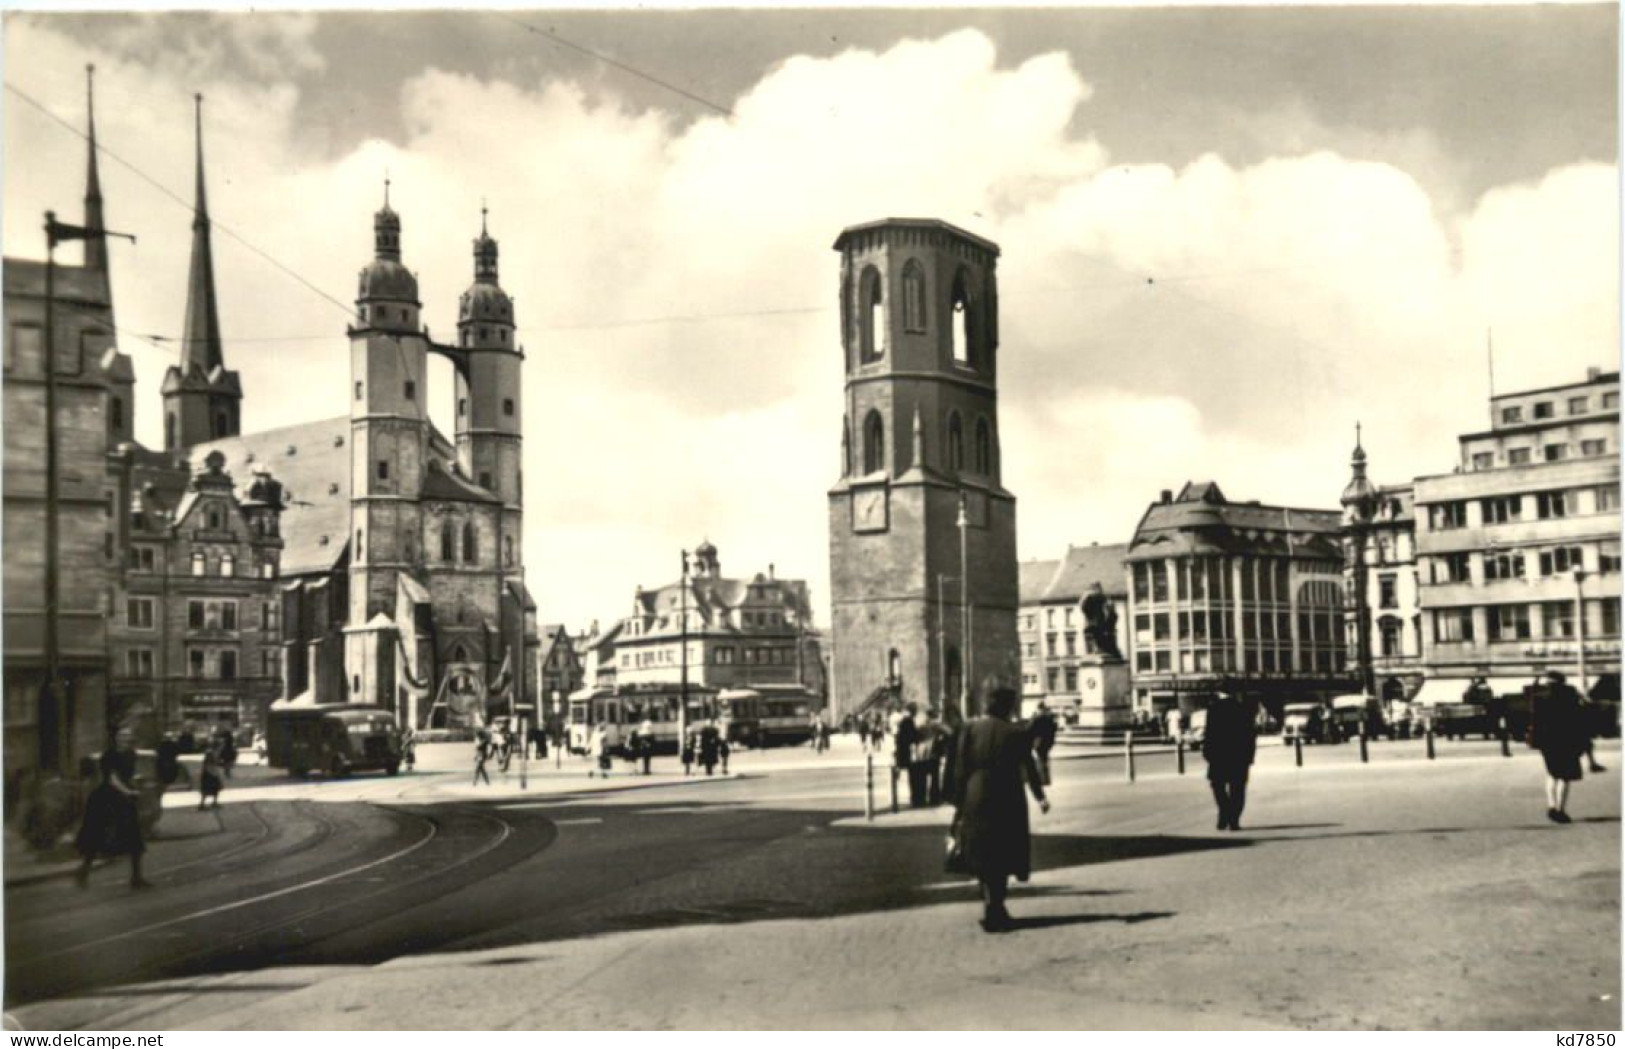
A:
[960,306]
[117,409]
[358,549]
[462,407]
[447,549]
[871,315]
[894,667]
[984,447]
[956,442]
[914,296]
[470,551]
[169,431]
[874,443]
[507,406]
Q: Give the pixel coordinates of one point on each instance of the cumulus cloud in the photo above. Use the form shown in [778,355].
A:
[676,290]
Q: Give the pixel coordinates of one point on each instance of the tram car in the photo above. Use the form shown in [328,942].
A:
[769,715]
[624,710]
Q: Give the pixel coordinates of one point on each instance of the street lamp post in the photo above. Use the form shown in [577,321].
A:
[965,661]
[682,687]
[1580,625]
[942,643]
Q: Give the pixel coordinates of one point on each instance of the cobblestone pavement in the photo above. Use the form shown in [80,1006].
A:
[1403,893]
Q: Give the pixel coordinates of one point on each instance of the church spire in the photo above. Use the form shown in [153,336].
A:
[95,245]
[485,253]
[200,341]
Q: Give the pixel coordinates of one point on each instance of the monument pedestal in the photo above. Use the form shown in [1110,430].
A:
[1106,702]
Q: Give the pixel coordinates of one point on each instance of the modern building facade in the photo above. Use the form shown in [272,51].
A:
[1519,548]
[922,530]
[1238,597]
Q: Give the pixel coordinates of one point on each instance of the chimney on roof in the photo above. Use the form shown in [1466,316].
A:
[1167,496]
[770,570]
[1593,374]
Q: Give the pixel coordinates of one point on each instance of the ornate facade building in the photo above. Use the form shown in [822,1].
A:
[1235,596]
[923,573]
[1379,551]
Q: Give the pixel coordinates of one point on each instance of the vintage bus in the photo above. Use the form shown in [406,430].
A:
[336,739]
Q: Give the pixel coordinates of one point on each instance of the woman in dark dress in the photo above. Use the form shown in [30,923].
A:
[993,761]
[112,825]
[1557,729]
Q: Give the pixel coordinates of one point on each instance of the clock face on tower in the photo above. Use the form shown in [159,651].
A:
[869,509]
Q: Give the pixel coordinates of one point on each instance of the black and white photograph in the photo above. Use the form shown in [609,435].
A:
[910,519]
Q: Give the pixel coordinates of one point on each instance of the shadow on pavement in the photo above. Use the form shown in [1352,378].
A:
[1055,921]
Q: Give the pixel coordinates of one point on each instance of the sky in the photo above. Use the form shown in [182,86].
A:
[1227,235]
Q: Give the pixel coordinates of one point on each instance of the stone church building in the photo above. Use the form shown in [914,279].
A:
[360,559]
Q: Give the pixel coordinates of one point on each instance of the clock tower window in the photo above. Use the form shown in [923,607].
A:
[871,315]
[874,443]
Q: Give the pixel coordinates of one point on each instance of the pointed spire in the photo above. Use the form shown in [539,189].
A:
[1359,451]
[95,246]
[485,253]
[1360,496]
[200,340]
[386,228]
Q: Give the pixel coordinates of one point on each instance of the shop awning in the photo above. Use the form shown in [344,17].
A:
[1451,689]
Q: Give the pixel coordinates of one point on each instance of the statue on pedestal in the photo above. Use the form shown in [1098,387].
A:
[1100,622]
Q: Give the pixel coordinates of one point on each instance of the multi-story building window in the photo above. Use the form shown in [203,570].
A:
[142,559]
[138,613]
[1556,452]
[1579,405]
[1509,622]
[1483,460]
[1507,565]
[1387,591]
[138,662]
[195,662]
[1557,618]
[1071,679]
[1544,409]
[1558,503]
[269,664]
[1071,642]
[1453,624]
[1452,568]
[1610,616]
[1159,581]
[1608,556]
[1511,414]
[1503,509]
[228,665]
[1610,401]
[1445,516]
[1517,456]
[1560,559]
[1054,676]
[1049,644]
[1592,449]
[1607,497]
[199,565]
[1389,629]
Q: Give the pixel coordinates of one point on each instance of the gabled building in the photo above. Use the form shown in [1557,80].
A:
[1066,654]
[94,412]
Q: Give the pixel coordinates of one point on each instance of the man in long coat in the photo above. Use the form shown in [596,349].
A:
[1229,743]
[992,764]
[905,742]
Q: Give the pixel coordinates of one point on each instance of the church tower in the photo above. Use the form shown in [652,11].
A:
[202,400]
[922,531]
[388,445]
[488,395]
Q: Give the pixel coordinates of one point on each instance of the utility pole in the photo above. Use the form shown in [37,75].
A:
[682,688]
[54,697]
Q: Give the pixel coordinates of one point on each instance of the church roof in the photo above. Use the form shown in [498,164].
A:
[440,483]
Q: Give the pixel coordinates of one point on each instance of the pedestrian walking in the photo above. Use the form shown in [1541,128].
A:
[599,748]
[724,748]
[212,780]
[1043,728]
[823,735]
[933,742]
[112,822]
[646,744]
[1229,743]
[228,750]
[482,754]
[709,747]
[994,763]
[905,735]
[688,754]
[1557,729]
